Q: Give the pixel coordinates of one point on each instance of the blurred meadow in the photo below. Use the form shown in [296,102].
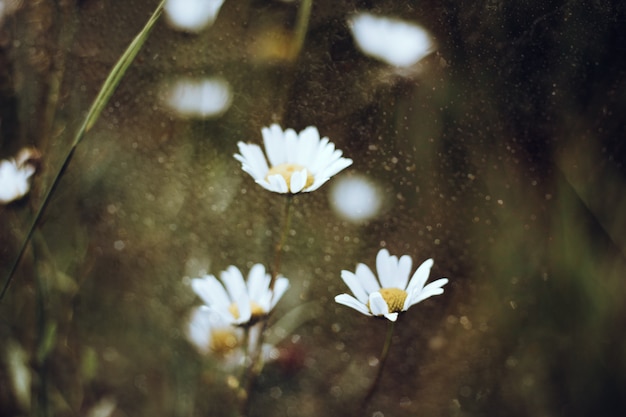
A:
[500,155]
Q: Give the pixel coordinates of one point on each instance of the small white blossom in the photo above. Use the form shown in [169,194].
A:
[198,98]
[394,41]
[211,334]
[192,15]
[297,162]
[356,198]
[14,176]
[392,292]
[239,302]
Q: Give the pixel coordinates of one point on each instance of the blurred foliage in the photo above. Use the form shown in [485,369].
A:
[502,158]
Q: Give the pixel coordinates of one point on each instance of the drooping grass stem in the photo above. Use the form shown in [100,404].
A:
[100,102]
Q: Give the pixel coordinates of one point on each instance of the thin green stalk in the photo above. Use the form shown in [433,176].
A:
[302,25]
[281,240]
[381,364]
[109,86]
[254,368]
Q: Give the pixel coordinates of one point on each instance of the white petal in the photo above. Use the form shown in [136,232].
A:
[291,144]
[434,288]
[280,286]
[348,300]
[403,271]
[309,139]
[199,329]
[243,305]
[386,266]
[258,282]
[420,276]
[392,316]
[278,183]
[355,286]
[367,278]
[317,183]
[252,160]
[298,181]
[234,282]
[335,167]
[211,291]
[322,157]
[273,140]
[224,314]
[266,185]
[378,305]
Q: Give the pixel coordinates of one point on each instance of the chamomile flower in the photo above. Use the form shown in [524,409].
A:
[15,173]
[298,162]
[397,42]
[212,335]
[209,332]
[392,293]
[239,302]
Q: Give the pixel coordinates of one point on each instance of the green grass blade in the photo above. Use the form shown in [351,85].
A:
[109,86]
[116,74]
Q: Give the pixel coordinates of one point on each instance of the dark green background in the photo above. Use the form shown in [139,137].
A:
[502,158]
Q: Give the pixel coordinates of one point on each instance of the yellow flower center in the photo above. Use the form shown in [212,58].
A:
[223,341]
[394,297]
[286,171]
[256,310]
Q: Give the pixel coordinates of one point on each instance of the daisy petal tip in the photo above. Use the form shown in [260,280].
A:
[392,316]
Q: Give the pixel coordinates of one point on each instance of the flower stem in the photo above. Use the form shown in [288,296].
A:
[281,241]
[381,364]
[302,24]
[254,365]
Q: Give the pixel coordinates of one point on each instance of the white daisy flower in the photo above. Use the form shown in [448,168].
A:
[394,293]
[211,334]
[14,175]
[298,162]
[397,42]
[239,302]
[192,15]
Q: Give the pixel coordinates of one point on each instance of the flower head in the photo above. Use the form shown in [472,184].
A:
[392,292]
[192,15]
[210,332]
[297,162]
[239,302]
[14,175]
[397,42]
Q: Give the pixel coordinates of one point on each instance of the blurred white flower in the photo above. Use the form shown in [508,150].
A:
[14,175]
[239,302]
[201,98]
[397,42]
[356,198]
[211,333]
[298,162]
[394,293]
[192,15]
